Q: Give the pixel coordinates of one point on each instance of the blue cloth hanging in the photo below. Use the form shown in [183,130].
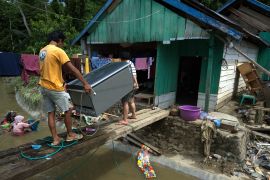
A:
[10,64]
[97,62]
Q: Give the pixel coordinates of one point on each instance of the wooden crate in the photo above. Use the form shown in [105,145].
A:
[250,76]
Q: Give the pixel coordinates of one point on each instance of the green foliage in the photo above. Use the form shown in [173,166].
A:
[31,95]
[42,17]
[44,25]
[29,92]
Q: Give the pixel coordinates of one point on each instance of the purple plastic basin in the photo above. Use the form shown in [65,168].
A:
[189,113]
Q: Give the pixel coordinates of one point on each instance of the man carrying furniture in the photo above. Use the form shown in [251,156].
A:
[52,58]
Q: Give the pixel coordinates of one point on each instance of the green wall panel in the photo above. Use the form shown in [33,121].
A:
[140,21]
[218,56]
[166,68]
[264,55]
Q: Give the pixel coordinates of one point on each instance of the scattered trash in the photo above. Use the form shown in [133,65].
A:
[203,115]
[248,163]
[90,129]
[256,175]
[208,130]
[258,170]
[217,156]
[143,163]
[217,122]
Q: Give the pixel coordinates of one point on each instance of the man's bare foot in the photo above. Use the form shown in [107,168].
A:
[132,117]
[73,137]
[56,141]
[123,122]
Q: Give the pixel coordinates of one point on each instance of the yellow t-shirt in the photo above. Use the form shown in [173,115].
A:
[51,59]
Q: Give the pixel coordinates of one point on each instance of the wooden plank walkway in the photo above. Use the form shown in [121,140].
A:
[13,166]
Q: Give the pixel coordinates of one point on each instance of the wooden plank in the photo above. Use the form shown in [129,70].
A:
[147,24]
[138,144]
[125,26]
[137,23]
[258,128]
[23,168]
[145,143]
[154,21]
[249,20]
[167,27]
[142,21]
[264,19]
[140,115]
[262,135]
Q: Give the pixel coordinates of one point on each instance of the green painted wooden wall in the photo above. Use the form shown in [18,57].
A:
[167,65]
[142,21]
[264,55]
[168,59]
[218,56]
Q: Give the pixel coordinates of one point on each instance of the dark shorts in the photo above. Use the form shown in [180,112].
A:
[128,97]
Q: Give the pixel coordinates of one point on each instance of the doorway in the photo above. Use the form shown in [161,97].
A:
[188,80]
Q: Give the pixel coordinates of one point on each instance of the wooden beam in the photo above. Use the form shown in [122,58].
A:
[145,143]
[258,128]
[209,73]
[262,135]
[138,144]
[236,83]
[252,61]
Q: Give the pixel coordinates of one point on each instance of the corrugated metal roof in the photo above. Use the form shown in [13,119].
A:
[260,5]
[250,16]
[231,22]
[254,3]
[202,18]
[227,5]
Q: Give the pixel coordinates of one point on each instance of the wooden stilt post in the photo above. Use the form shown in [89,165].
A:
[209,73]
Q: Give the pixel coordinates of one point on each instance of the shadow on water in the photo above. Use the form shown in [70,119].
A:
[100,164]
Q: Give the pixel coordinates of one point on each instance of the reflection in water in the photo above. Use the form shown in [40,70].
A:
[99,164]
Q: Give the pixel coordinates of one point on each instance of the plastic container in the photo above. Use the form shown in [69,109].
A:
[36,146]
[189,113]
[217,122]
[34,126]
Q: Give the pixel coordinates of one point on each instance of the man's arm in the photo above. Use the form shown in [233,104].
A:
[76,72]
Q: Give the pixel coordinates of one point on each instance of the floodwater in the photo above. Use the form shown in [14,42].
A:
[99,164]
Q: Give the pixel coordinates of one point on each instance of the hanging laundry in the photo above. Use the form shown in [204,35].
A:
[97,62]
[141,63]
[30,64]
[10,64]
[149,64]
[143,163]
[67,73]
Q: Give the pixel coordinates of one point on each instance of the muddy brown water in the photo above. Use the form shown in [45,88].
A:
[99,164]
